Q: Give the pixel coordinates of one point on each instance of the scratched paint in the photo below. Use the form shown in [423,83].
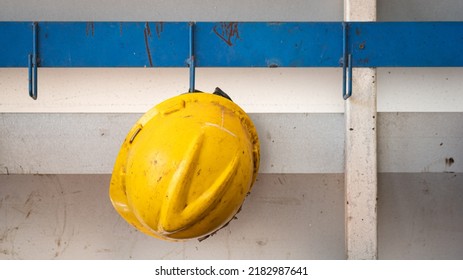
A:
[147,33]
[90,29]
[228,32]
[159,29]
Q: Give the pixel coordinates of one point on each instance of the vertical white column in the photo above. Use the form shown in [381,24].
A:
[360,150]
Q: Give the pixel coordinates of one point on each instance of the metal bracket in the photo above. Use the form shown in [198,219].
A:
[32,62]
[346,63]
[191,59]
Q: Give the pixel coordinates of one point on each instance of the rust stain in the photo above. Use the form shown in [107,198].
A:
[228,32]
[120,28]
[90,29]
[362,45]
[364,60]
[148,29]
[273,65]
[159,28]
[449,161]
[147,33]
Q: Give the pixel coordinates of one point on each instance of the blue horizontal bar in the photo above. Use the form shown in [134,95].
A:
[96,44]
[406,44]
[233,44]
[260,44]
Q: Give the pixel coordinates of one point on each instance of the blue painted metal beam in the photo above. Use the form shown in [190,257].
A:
[406,44]
[233,44]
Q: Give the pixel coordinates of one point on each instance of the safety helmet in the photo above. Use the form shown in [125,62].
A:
[186,167]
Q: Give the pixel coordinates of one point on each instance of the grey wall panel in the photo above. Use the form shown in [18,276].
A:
[173,10]
[216,10]
[301,143]
[420,89]
[89,143]
[71,217]
[420,142]
[61,143]
[420,216]
[420,10]
[287,216]
[290,143]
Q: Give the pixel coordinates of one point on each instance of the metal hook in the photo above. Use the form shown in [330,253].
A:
[191,60]
[33,61]
[346,64]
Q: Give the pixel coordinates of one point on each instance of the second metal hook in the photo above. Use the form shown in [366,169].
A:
[32,63]
[346,63]
[191,60]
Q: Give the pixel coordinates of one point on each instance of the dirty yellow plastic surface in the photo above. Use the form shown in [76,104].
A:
[186,167]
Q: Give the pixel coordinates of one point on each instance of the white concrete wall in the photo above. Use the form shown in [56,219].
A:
[282,90]
[69,143]
[285,217]
[70,216]
[296,208]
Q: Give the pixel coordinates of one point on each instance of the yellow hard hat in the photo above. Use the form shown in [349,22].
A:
[186,167]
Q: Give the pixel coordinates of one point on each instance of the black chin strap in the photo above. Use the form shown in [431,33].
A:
[220,92]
